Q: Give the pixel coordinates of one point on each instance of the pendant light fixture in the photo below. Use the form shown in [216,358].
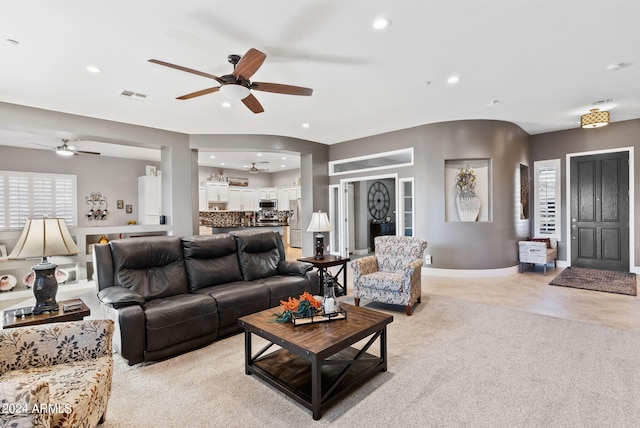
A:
[594,119]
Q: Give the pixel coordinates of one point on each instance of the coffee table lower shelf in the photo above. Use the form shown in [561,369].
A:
[339,374]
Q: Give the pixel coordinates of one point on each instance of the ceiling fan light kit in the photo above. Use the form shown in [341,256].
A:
[595,119]
[234,92]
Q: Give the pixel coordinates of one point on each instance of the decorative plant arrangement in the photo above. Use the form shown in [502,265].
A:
[467,202]
[305,306]
[466,181]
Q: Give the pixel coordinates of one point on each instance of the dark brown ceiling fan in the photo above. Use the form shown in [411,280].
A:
[237,84]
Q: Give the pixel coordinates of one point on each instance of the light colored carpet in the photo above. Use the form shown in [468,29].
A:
[451,364]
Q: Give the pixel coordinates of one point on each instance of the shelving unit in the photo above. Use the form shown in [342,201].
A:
[80,267]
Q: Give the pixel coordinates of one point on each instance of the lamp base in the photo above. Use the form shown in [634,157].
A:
[45,288]
[319,247]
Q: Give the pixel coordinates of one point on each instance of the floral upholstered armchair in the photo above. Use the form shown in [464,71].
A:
[538,251]
[56,375]
[392,275]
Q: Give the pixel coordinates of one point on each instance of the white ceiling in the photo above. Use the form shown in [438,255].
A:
[545,62]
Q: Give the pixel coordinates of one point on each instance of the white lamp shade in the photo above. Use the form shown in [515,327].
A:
[319,223]
[234,91]
[44,237]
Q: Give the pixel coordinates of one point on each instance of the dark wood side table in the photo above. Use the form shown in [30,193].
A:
[11,320]
[323,264]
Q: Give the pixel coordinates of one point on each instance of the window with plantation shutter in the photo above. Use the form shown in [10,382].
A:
[547,198]
[35,195]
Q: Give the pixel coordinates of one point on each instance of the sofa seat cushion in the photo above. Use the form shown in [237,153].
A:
[81,389]
[382,281]
[238,299]
[281,287]
[177,319]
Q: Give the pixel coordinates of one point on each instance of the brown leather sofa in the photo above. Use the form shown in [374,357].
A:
[168,295]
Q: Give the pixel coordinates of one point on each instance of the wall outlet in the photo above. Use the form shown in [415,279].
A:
[427,259]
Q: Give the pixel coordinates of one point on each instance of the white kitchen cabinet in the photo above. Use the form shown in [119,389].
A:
[202,199]
[267,193]
[283,199]
[149,199]
[217,192]
[241,200]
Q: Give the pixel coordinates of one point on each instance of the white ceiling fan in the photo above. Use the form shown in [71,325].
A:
[66,150]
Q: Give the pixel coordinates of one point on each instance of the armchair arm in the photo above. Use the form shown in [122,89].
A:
[20,400]
[50,344]
[411,272]
[293,267]
[118,297]
[364,266]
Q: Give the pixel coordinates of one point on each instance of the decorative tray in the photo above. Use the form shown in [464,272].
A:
[320,317]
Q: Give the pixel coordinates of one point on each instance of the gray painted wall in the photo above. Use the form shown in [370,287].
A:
[556,145]
[114,178]
[457,245]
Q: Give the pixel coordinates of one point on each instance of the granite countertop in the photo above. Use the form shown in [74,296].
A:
[263,224]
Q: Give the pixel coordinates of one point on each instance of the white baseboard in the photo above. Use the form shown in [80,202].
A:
[470,273]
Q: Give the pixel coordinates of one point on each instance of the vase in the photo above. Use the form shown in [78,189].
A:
[468,206]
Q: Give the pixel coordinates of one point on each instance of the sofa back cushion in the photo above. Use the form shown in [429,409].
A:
[395,252]
[211,260]
[258,253]
[150,266]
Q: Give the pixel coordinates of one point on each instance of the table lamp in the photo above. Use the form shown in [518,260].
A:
[44,237]
[319,223]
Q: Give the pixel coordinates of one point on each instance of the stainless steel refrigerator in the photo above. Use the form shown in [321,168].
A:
[295,226]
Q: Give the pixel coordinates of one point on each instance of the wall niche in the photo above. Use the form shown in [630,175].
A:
[482,171]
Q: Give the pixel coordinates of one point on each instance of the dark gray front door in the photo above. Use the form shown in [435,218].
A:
[600,211]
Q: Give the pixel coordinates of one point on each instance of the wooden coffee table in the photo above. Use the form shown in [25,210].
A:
[316,364]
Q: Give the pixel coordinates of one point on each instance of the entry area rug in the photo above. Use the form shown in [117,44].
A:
[598,280]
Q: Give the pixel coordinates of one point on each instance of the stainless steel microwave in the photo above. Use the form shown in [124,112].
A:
[268,204]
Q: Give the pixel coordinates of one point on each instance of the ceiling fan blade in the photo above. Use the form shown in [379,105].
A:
[281,89]
[188,70]
[249,63]
[199,93]
[82,152]
[253,104]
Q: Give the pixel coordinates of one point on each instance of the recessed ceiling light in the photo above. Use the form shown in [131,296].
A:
[93,69]
[258,154]
[13,42]
[245,166]
[381,23]
[212,157]
[222,163]
[284,158]
[226,104]
[453,79]
[305,124]
[282,166]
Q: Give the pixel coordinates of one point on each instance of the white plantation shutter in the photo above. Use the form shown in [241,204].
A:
[34,195]
[547,198]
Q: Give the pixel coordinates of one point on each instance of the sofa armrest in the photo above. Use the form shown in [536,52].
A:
[364,266]
[412,271]
[118,297]
[21,399]
[293,267]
